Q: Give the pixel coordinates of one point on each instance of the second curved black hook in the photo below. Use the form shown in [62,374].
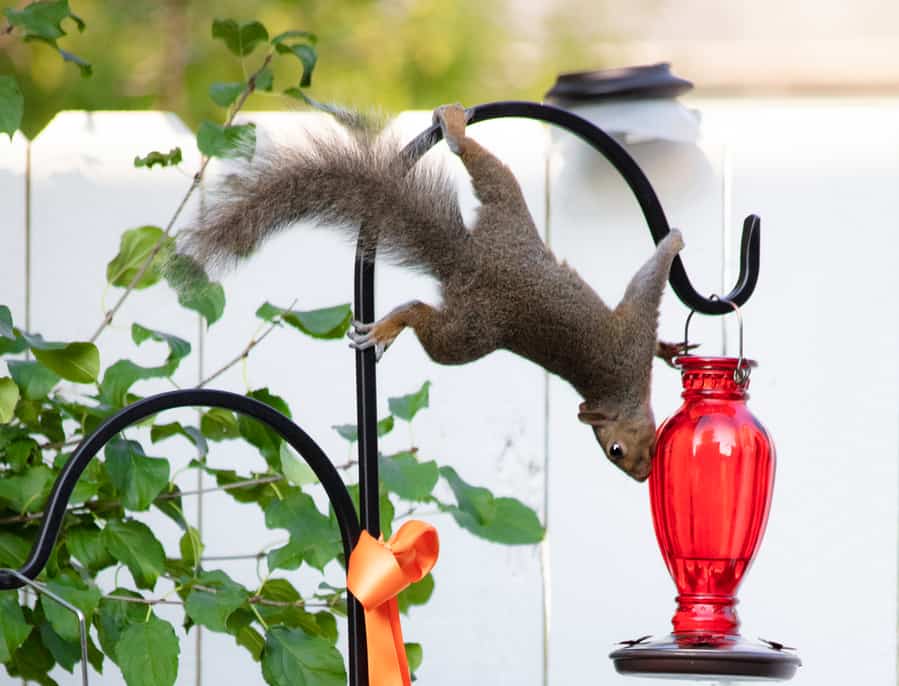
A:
[638,183]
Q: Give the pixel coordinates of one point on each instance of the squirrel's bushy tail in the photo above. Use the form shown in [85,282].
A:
[410,214]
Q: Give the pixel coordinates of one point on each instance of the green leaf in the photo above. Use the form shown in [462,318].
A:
[291,613]
[224,94]
[306,55]
[308,36]
[7,330]
[27,492]
[133,543]
[191,547]
[260,435]
[351,433]
[92,480]
[137,478]
[85,543]
[314,538]
[32,661]
[170,159]
[195,291]
[65,653]
[347,431]
[147,653]
[410,479]
[219,424]
[215,140]
[239,626]
[114,616]
[121,376]
[13,550]
[12,105]
[292,658]
[407,406]
[240,39]
[325,323]
[418,593]
[297,94]
[414,656]
[33,379]
[78,362]
[476,501]
[135,248]
[43,19]
[265,79]
[13,627]
[178,347]
[160,432]
[501,520]
[61,619]
[294,469]
[9,397]
[213,609]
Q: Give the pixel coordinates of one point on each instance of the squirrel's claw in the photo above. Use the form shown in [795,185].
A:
[668,351]
[363,337]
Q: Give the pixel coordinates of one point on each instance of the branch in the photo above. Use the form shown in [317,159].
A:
[245,353]
[195,182]
[100,505]
[253,600]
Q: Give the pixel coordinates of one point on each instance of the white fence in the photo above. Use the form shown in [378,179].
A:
[823,176]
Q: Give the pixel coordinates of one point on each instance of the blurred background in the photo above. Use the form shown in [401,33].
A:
[415,54]
[799,124]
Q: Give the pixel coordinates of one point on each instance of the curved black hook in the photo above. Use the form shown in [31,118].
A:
[750,246]
[299,440]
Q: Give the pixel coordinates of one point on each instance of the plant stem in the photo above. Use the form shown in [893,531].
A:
[194,184]
[240,356]
[100,505]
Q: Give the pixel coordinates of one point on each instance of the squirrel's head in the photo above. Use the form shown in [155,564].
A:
[628,440]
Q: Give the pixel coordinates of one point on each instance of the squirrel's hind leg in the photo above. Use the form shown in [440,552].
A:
[447,339]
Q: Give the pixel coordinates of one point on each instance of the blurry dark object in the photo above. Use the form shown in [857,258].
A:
[649,81]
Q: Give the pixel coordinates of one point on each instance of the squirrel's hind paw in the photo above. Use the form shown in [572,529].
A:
[378,335]
[452,120]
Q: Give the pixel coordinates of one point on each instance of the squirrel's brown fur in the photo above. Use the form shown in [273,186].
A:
[501,286]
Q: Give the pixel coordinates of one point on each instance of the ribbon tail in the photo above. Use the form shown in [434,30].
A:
[387,664]
[397,630]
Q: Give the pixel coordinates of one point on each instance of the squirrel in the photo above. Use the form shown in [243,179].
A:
[501,286]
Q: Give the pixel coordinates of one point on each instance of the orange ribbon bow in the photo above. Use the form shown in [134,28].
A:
[377,573]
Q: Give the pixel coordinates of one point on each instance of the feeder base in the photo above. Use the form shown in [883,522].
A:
[736,659]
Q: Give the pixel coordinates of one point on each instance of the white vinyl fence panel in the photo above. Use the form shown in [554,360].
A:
[822,174]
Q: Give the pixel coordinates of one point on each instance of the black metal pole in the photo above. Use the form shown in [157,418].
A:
[367,399]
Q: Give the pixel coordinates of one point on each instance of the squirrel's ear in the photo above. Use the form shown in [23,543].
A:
[593,415]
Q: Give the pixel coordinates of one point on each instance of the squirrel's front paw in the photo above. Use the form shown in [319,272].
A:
[668,351]
[378,335]
[452,120]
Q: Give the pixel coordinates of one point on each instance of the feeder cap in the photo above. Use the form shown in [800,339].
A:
[647,81]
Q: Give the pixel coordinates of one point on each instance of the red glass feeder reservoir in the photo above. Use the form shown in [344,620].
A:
[711,485]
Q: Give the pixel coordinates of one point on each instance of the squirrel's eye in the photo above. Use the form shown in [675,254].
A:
[616,451]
